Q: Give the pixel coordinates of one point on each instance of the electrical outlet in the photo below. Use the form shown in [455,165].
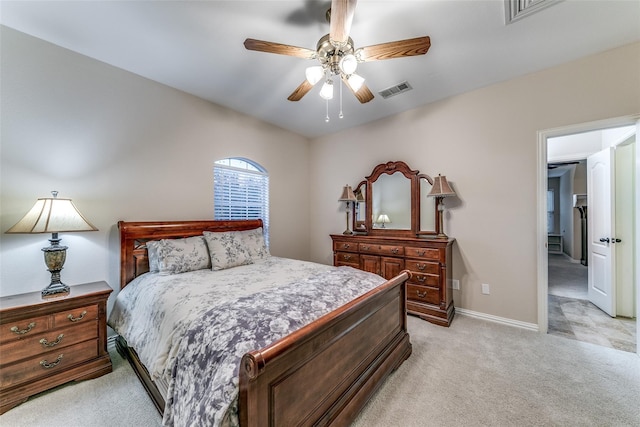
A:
[485,289]
[455,284]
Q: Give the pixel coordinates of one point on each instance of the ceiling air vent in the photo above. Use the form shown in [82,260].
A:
[395,90]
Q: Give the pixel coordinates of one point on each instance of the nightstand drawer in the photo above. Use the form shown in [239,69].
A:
[427,253]
[49,341]
[75,316]
[422,267]
[48,363]
[16,330]
[425,294]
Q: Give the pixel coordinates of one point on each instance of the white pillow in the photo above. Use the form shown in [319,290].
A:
[173,256]
[255,244]
[227,249]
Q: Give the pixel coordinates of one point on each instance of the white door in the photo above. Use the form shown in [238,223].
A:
[601,228]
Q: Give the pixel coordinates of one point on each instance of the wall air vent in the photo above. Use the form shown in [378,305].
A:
[518,9]
[395,90]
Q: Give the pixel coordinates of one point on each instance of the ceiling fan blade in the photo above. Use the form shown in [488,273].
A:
[281,49]
[397,49]
[300,91]
[363,94]
[342,12]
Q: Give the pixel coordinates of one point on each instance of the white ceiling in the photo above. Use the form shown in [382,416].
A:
[197,47]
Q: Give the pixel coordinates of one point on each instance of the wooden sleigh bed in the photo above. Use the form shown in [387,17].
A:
[357,345]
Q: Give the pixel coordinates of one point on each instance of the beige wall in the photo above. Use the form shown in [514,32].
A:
[485,143]
[123,148]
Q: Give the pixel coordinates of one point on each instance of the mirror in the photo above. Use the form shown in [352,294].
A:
[428,206]
[393,201]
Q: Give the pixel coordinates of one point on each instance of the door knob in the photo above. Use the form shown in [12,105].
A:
[604,239]
[614,240]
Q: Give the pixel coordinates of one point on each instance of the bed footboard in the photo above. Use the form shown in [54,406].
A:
[324,373]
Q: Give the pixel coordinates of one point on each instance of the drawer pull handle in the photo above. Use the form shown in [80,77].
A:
[17,331]
[365,248]
[422,252]
[347,257]
[77,319]
[421,278]
[394,251]
[46,343]
[421,266]
[421,294]
[48,365]
[346,246]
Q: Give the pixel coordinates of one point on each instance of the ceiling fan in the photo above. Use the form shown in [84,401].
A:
[338,56]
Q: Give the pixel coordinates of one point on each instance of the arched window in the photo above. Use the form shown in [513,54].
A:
[241,191]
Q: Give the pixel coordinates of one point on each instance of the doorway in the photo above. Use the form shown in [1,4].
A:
[563,307]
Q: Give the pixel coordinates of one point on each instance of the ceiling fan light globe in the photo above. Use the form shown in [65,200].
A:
[327,90]
[348,64]
[355,81]
[314,74]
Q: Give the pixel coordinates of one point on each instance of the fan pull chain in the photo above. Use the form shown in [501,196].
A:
[326,119]
[340,115]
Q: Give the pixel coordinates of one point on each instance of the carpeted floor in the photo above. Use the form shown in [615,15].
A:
[475,373]
[572,316]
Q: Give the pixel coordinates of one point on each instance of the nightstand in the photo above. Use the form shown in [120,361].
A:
[48,342]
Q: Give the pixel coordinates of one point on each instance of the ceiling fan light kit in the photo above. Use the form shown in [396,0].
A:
[338,57]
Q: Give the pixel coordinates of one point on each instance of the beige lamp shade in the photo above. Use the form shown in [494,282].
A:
[441,188]
[347,195]
[52,215]
[383,219]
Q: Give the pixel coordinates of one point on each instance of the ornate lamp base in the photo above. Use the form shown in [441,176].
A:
[55,256]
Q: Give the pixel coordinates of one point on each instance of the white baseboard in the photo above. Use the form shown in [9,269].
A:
[502,320]
[111,342]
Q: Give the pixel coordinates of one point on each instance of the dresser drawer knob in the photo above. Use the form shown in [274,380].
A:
[421,294]
[394,251]
[77,319]
[421,266]
[421,279]
[46,343]
[17,331]
[421,252]
[347,257]
[346,245]
[48,365]
[365,248]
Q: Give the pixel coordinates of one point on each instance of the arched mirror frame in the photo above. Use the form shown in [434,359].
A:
[366,186]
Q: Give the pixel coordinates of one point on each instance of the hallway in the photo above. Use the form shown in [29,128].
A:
[572,316]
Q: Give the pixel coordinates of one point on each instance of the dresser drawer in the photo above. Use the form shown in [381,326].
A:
[389,250]
[347,258]
[75,316]
[345,246]
[422,266]
[48,363]
[424,294]
[427,253]
[23,328]
[425,279]
[51,340]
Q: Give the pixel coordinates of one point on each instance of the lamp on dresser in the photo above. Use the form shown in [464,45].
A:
[348,197]
[53,215]
[440,190]
[383,219]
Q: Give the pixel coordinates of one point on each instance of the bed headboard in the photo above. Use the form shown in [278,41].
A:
[134,236]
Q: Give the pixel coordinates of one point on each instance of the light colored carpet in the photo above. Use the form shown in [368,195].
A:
[475,373]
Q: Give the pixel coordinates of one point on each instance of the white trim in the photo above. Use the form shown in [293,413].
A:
[496,319]
[541,204]
[111,342]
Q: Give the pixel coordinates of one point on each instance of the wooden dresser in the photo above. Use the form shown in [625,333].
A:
[48,342]
[429,293]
